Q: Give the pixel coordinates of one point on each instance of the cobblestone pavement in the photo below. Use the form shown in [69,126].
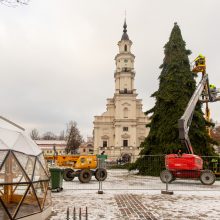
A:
[131,207]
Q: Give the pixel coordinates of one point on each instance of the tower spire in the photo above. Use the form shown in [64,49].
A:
[125,35]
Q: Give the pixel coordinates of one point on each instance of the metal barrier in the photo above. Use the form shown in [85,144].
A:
[120,178]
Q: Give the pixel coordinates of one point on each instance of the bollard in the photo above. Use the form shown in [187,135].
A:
[86,213]
[100,191]
[166,191]
[80,213]
[74,213]
[68,214]
[166,183]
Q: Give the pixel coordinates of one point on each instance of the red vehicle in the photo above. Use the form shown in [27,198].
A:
[190,166]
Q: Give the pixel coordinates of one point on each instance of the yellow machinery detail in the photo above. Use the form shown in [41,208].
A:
[77,161]
[82,166]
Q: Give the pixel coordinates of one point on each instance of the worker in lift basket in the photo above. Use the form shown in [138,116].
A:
[213,90]
[200,60]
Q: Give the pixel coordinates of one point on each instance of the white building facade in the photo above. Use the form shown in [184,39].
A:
[120,130]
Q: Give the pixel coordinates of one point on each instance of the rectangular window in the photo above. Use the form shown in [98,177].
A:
[105,144]
[125,128]
[125,143]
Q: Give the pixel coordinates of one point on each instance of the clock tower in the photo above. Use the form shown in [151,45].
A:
[120,130]
[124,60]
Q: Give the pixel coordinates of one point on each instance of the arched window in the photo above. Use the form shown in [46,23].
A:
[126,47]
[125,112]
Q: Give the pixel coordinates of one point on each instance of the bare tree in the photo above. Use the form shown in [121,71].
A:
[74,138]
[14,3]
[49,136]
[62,135]
[34,134]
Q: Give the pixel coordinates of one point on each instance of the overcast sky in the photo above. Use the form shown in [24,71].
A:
[57,57]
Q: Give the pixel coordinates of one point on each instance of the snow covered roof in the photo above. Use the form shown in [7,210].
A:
[50,142]
[18,141]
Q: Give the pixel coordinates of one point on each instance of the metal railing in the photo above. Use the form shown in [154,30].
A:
[126,176]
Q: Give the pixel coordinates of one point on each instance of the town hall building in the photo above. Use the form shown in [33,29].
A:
[120,130]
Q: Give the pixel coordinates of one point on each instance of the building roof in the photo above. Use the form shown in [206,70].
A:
[50,142]
[18,141]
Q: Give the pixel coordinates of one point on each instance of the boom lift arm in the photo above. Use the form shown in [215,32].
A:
[185,121]
[191,165]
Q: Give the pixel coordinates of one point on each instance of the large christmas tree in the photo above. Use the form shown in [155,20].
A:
[176,86]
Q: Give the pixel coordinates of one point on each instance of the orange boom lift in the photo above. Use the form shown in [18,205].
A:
[190,165]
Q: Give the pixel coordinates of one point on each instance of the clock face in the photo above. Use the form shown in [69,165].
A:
[125,61]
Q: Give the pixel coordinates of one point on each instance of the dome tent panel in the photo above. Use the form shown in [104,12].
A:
[18,141]
[39,172]
[43,163]
[3,146]
[13,204]
[12,172]
[48,200]
[8,137]
[25,145]
[29,205]
[3,213]
[3,154]
[27,163]
[40,189]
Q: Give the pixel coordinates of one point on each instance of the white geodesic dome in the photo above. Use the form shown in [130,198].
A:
[18,141]
[24,176]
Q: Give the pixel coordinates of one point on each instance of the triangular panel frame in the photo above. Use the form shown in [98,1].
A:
[46,186]
[48,194]
[11,159]
[13,212]
[30,159]
[42,172]
[30,188]
[40,158]
[5,209]
[3,161]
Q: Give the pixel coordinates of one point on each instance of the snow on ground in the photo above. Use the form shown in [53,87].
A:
[191,199]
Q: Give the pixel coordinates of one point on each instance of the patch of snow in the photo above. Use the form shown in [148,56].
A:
[191,199]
